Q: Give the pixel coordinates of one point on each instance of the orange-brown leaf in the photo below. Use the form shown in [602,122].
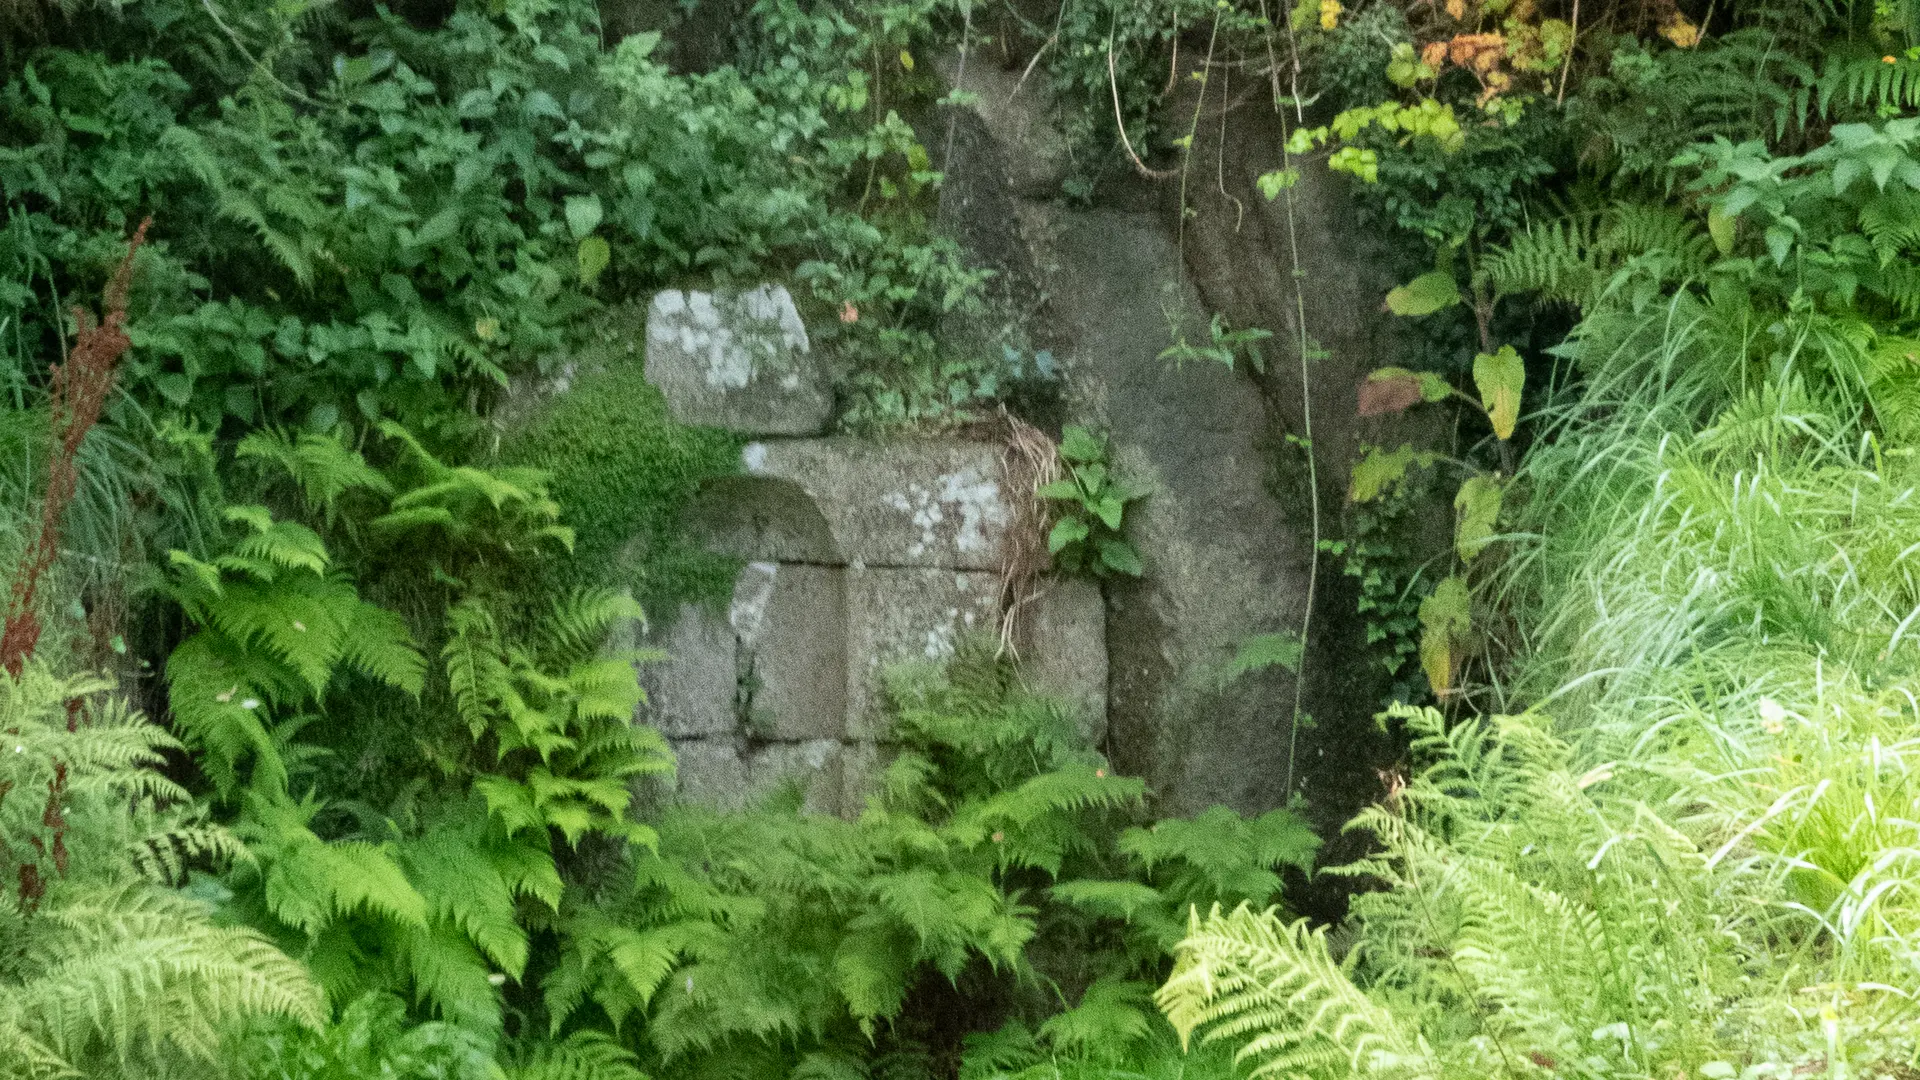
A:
[1379,397]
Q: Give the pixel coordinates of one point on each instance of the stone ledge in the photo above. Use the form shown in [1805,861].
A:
[933,502]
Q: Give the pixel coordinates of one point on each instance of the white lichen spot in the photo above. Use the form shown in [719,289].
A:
[754,457]
[925,512]
[977,498]
[669,302]
[723,339]
[773,304]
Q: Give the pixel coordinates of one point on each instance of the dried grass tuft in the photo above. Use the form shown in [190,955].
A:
[1029,460]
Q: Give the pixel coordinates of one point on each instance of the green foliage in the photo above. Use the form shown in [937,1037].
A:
[1445,615]
[1091,504]
[997,857]
[1693,866]
[108,969]
[1224,345]
[1388,554]
[624,471]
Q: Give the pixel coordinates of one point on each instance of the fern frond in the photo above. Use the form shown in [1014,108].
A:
[584,1055]
[288,545]
[163,858]
[1108,1022]
[1247,976]
[448,971]
[463,886]
[1555,259]
[578,624]
[323,467]
[1868,84]
[148,973]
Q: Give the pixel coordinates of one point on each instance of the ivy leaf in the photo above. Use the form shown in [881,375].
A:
[1393,389]
[1500,376]
[1271,184]
[1066,531]
[1445,618]
[1109,509]
[1476,509]
[1424,295]
[594,257]
[583,214]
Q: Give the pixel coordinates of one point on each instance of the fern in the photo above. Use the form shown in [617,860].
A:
[1111,1021]
[321,466]
[104,967]
[1866,84]
[584,1055]
[276,627]
[1271,986]
[1588,258]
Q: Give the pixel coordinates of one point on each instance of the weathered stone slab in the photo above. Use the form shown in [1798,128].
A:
[816,764]
[906,502]
[740,361]
[693,692]
[791,624]
[712,773]
[1063,650]
[895,614]
[861,767]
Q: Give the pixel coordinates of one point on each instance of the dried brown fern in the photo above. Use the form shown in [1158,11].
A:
[78,391]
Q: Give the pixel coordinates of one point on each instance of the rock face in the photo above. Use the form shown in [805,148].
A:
[740,361]
[858,555]
[1227,536]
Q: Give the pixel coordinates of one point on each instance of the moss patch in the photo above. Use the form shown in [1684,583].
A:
[622,472]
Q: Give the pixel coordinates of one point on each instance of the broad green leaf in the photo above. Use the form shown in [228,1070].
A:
[594,257]
[1079,444]
[1779,243]
[1720,227]
[1445,618]
[1500,376]
[1381,471]
[1119,555]
[1476,509]
[1424,295]
[1059,489]
[1066,531]
[583,214]
[1109,509]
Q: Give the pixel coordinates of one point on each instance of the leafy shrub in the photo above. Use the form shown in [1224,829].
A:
[1090,504]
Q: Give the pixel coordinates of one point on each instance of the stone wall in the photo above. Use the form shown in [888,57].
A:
[858,554]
